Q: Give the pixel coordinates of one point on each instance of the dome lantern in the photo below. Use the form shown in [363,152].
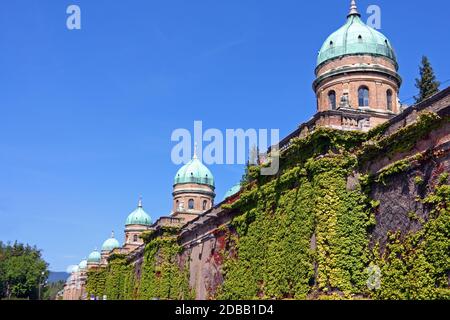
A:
[353,9]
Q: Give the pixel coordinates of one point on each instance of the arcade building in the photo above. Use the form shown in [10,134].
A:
[357,88]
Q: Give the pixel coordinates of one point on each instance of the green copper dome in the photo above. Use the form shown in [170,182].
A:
[235,189]
[194,172]
[354,38]
[139,216]
[74,269]
[83,264]
[110,244]
[94,257]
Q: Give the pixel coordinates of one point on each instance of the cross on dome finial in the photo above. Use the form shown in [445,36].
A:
[353,9]
[195,151]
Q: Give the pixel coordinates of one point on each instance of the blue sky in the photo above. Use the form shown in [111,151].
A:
[86,116]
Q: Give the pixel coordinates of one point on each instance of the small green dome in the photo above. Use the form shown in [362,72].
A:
[110,244]
[83,264]
[354,38]
[235,189]
[139,216]
[94,257]
[194,172]
[74,269]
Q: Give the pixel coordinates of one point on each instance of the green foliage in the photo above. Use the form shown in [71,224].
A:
[378,131]
[417,265]
[22,271]
[320,142]
[342,219]
[418,180]
[393,169]
[427,84]
[274,257]
[443,178]
[402,140]
[96,281]
[162,276]
[303,231]
[52,290]
[115,278]
[304,234]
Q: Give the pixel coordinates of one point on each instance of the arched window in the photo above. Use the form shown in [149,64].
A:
[205,204]
[191,204]
[363,96]
[135,238]
[389,99]
[332,99]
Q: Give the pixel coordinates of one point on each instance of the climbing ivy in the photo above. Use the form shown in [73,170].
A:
[301,232]
[417,266]
[95,285]
[115,278]
[342,219]
[306,232]
[401,140]
[130,283]
[162,277]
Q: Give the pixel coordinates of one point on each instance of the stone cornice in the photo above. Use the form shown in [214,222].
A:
[357,69]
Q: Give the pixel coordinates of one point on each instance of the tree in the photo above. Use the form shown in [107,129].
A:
[52,290]
[22,271]
[427,84]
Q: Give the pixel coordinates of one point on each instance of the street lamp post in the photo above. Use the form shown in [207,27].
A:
[40,284]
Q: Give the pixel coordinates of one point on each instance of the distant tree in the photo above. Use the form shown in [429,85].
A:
[22,271]
[2,269]
[254,156]
[245,177]
[427,84]
[51,291]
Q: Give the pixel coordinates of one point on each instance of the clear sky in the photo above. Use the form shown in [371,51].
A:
[86,116]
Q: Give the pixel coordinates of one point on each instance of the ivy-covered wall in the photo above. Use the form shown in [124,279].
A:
[162,275]
[337,222]
[309,233]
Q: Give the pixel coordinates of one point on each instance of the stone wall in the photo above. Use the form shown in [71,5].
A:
[206,240]
[398,196]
